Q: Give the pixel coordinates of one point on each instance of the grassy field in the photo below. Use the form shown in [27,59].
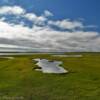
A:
[19,80]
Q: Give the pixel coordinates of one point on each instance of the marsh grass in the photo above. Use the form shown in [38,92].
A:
[17,78]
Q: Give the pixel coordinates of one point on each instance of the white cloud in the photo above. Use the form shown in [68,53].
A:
[37,20]
[47,13]
[20,12]
[66,24]
[16,10]
[30,16]
[11,31]
[40,20]
[46,38]
[91,26]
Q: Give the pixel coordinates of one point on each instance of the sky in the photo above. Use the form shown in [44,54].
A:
[50,25]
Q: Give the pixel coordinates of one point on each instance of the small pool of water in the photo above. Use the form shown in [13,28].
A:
[7,57]
[68,55]
[47,66]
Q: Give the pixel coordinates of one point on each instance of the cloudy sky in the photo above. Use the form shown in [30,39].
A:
[50,25]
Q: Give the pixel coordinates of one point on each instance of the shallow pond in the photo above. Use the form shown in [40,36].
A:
[7,57]
[68,55]
[47,66]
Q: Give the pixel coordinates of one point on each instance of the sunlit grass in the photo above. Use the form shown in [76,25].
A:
[18,78]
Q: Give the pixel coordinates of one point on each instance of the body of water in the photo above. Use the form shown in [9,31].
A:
[47,66]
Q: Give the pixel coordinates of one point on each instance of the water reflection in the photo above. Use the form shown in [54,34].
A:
[67,55]
[47,66]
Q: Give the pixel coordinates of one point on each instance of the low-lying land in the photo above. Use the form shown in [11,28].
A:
[19,80]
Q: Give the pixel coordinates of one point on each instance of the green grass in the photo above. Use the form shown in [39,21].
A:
[18,79]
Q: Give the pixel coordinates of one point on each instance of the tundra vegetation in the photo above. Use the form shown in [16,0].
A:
[18,79]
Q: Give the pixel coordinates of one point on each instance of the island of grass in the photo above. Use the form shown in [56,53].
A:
[19,80]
